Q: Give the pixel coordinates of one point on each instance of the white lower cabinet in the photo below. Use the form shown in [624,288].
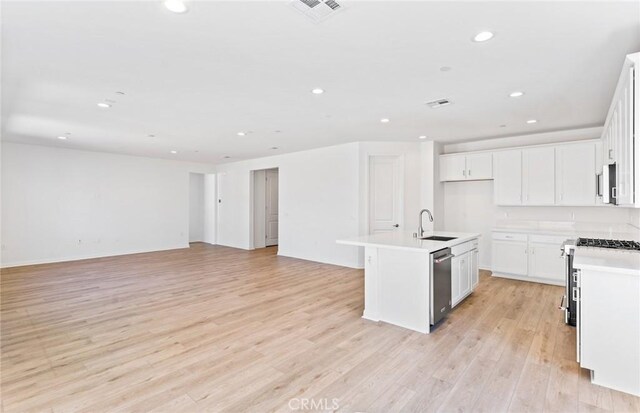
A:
[510,257]
[528,257]
[475,269]
[546,262]
[464,271]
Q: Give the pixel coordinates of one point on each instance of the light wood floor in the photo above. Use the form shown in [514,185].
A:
[219,329]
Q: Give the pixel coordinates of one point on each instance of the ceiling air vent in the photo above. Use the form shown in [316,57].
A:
[438,103]
[316,10]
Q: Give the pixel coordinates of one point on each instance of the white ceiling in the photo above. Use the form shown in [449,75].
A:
[194,80]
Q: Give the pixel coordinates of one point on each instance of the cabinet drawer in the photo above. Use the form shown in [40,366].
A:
[510,236]
[460,249]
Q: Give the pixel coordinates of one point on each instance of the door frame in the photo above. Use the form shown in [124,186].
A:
[252,205]
[400,158]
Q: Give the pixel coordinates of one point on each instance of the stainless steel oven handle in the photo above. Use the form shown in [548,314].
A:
[561,306]
[443,259]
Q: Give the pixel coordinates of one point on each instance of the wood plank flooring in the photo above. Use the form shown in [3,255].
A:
[212,328]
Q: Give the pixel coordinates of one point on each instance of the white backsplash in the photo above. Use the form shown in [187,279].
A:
[469,207]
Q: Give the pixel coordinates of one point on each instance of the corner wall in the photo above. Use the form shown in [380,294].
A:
[63,204]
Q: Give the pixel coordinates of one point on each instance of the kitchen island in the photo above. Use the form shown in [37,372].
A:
[398,267]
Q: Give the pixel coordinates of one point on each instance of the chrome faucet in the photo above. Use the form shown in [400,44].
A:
[420,229]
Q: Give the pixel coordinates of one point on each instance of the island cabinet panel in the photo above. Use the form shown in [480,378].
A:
[609,328]
[403,302]
[371,287]
[464,271]
[475,268]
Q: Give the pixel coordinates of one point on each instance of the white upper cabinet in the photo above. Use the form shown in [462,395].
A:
[538,176]
[508,177]
[465,167]
[453,168]
[620,135]
[576,174]
[480,165]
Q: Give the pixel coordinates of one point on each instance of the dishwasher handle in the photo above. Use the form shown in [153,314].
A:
[443,259]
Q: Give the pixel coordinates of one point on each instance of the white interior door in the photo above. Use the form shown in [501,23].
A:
[271,210]
[385,193]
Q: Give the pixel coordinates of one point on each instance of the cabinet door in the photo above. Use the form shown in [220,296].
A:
[475,270]
[465,274]
[546,262]
[453,168]
[480,166]
[576,174]
[538,176]
[455,280]
[624,143]
[508,177]
[509,257]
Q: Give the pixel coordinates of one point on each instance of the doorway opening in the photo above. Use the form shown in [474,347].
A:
[196,207]
[265,217]
[202,208]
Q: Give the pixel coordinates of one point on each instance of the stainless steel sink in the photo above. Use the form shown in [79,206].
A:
[437,238]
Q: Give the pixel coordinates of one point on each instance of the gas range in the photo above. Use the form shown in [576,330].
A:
[608,243]
[571,288]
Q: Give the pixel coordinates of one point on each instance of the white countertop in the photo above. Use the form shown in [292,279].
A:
[607,260]
[405,241]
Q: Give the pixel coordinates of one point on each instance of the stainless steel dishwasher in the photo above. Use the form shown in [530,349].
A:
[440,291]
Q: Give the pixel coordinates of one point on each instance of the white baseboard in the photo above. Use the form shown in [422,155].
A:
[87,256]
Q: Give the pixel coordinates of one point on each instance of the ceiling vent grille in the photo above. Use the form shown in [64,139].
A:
[438,103]
[316,10]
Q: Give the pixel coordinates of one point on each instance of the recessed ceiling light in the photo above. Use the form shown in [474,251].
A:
[62,138]
[174,152]
[119,93]
[503,126]
[104,105]
[482,36]
[422,137]
[317,91]
[175,6]
[226,157]
[532,121]
[384,120]
[274,148]
[241,133]
[445,68]
[151,136]
[516,94]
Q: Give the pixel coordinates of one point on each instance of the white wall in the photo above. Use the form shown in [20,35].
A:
[323,197]
[523,140]
[634,217]
[318,203]
[61,204]
[196,207]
